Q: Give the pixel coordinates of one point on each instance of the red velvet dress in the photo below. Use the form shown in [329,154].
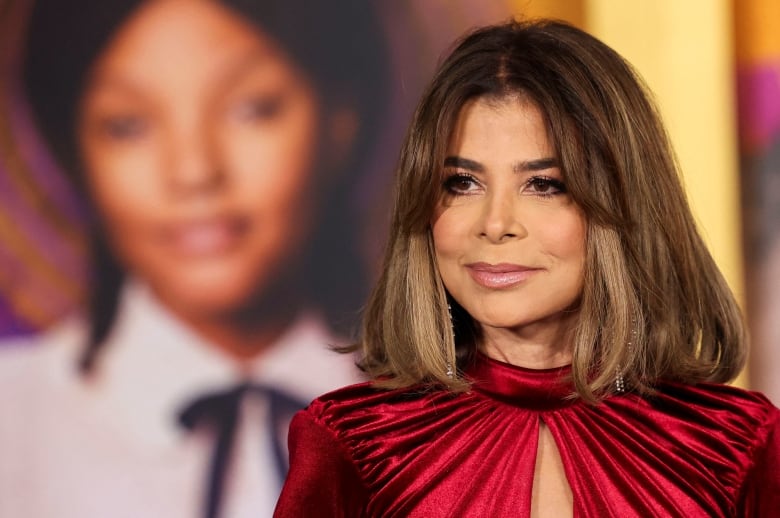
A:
[703,451]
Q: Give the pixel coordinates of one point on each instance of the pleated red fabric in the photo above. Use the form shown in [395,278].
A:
[689,451]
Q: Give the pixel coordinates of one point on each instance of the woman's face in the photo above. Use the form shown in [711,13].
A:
[509,241]
[199,137]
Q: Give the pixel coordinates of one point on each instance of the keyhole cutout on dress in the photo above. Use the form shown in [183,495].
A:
[551,494]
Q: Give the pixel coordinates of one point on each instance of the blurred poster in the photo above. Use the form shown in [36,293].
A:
[758,83]
[45,221]
[193,199]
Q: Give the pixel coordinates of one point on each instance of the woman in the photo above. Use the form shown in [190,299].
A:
[549,333]
[209,139]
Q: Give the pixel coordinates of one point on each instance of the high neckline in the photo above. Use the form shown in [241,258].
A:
[537,389]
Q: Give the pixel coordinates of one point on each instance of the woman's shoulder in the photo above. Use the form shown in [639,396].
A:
[49,354]
[742,415]
[718,397]
[369,397]
[348,410]
[37,374]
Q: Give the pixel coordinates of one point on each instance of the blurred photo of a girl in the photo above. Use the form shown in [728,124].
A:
[215,145]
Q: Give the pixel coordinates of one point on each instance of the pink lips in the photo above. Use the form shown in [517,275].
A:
[499,276]
[204,238]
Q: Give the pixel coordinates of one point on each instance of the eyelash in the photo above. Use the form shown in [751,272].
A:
[124,127]
[452,180]
[557,186]
[259,108]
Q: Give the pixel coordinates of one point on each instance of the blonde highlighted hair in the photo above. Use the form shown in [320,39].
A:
[649,278]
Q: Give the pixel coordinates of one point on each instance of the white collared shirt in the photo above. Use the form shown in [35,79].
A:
[110,445]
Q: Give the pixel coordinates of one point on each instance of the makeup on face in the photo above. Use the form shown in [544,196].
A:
[509,241]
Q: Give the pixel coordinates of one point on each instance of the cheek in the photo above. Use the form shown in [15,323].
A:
[564,236]
[443,246]
[122,175]
[273,170]
[124,183]
[450,242]
[273,163]
[565,241]
[449,232]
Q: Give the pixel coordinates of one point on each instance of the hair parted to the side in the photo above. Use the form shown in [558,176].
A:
[649,278]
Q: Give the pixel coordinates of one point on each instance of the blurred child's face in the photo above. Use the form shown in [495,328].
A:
[199,139]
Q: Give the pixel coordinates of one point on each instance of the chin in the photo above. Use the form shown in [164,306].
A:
[498,320]
[507,323]
[206,295]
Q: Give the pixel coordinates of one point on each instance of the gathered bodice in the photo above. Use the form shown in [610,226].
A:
[689,451]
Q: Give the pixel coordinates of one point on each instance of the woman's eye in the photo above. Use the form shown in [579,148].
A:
[258,108]
[460,183]
[124,127]
[545,186]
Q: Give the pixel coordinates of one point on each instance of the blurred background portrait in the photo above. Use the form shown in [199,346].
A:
[190,192]
[190,179]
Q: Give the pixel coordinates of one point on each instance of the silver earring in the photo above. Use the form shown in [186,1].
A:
[450,372]
[452,322]
[620,382]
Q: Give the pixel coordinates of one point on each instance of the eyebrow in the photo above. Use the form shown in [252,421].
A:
[230,73]
[233,71]
[525,166]
[540,164]
[463,163]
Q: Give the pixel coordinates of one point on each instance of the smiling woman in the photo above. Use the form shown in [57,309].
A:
[549,335]
[215,144]
[508,239]
[203,172]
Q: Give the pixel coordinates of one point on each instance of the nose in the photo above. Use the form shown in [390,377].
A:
[192,160]
[501,217]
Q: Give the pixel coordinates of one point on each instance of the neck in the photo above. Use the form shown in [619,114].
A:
[241,342]
[531,347]
[246,332]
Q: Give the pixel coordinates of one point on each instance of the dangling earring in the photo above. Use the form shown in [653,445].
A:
[452,321]
[620,382]
[450,372]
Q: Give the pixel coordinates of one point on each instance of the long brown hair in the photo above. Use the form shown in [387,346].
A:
[654,305]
